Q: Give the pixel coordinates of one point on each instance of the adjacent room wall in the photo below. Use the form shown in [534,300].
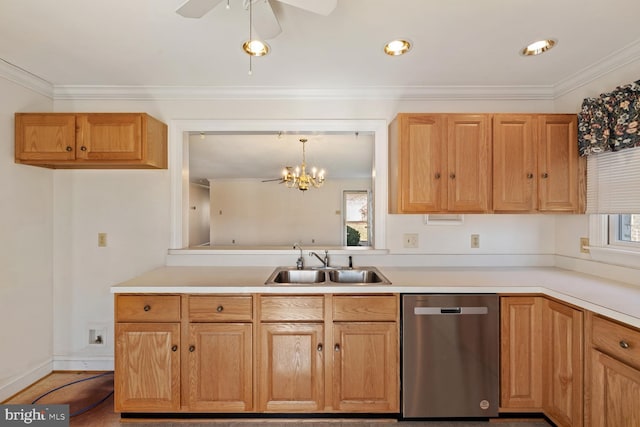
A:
[26,258]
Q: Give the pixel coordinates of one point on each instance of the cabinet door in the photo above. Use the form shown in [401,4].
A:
[469,162]
[220,367]
[521,353]
[562,374]
[147,367]
[422,164]
[113,136]
[614,392]
[558,163]
[366,367]
[45,137]
[291,370]
[514,163]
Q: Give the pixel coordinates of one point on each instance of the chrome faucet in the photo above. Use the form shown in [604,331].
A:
[325,261]
[300,260]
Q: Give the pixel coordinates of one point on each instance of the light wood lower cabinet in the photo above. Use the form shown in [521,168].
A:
[613,374]
[291,367]
[220,364]
[147,367]
[257,353]
[542,358]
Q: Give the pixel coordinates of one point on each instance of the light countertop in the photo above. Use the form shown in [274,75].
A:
[613,299]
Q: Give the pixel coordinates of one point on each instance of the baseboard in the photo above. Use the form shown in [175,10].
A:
[23,381]
[83,363]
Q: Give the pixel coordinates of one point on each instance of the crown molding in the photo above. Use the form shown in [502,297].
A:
[75,92]
[25,79]
[618,59]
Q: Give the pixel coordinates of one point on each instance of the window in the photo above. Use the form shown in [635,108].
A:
[356,218]
[624,230]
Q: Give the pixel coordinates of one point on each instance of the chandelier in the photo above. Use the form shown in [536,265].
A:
[298,178]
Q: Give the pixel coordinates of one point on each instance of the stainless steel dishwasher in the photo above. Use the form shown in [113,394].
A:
[450,356]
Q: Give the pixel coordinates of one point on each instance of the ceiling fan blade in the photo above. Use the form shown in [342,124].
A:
[196,8]
[271,180]
[265,21]
[321,7]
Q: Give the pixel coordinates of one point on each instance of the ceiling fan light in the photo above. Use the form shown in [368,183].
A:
[255,48]
[397,47]
[538,47]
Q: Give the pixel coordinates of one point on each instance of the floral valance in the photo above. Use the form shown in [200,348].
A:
[610,122]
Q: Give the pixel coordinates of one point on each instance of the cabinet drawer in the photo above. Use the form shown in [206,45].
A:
[616,340]
[147,308]
[365,308]
[292,308]
[220,308]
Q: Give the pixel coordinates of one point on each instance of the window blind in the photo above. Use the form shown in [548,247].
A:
[613,182]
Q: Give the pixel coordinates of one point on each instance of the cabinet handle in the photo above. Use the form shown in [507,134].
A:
[336,347]
[452,175]
[320,347]
[192,348]
[220,309]
[174,348]
[624,344]
[437,176]
[147,307]
[530,176]
[545,175]
[69,148]
[83,148]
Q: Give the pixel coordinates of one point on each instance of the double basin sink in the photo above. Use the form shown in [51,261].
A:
[327,276]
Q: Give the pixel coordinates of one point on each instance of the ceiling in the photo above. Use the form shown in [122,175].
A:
[466,43]
[263,155]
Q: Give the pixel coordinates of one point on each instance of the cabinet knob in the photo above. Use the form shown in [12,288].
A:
[437,175]
[174,348]
[192,348]
[320,347]
[83,148]
[529,176]
[545,175]
[452,175]
[220,309]
[624,344]
[336,347]
[147,307]
[69,148]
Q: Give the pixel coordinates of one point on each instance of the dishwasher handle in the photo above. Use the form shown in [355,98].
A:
[438,311]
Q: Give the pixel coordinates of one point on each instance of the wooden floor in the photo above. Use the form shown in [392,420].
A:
[85,393]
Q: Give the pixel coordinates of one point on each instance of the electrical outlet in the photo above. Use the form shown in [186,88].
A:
[410,240]
[584,245]
[102,240]
[97,336]
[475,241]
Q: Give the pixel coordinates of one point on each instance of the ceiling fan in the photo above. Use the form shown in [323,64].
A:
[265,21]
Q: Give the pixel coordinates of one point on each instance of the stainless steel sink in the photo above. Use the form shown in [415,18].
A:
[284,276]
[327,277]
[355,276]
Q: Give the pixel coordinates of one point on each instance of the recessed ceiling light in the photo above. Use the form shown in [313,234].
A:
[397,47]
[538,47]
[255,47]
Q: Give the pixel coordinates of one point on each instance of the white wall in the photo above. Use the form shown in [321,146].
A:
[250,212]
[26,261]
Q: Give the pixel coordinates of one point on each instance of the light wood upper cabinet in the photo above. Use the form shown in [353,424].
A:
[90,140]
[515,166]
[536,166]
[440,163]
